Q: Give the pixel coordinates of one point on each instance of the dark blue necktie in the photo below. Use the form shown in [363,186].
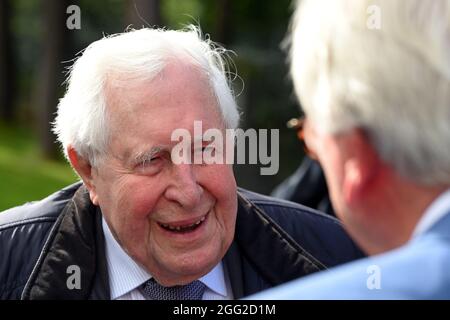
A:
[152,290]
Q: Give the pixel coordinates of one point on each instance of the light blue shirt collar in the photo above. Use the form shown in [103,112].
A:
[439,208]
[126,275]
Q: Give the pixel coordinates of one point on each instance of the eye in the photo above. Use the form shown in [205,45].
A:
[150,166]
[153,160]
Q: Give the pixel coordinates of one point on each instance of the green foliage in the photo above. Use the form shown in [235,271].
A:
[178,14]
[24,175]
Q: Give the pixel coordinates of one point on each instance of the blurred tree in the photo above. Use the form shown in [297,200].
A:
[49,76]
[222,29]
[143,13]
[6,63]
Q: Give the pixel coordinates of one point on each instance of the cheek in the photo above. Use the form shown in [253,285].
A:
[332,176]
[127,202]
[220,183]
[138,198]
[132,201]
[333,167]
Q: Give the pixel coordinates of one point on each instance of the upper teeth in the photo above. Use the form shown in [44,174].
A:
[178,228]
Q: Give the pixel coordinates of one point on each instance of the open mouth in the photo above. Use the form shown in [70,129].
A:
[176,228]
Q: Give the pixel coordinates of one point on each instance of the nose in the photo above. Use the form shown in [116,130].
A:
[184,188]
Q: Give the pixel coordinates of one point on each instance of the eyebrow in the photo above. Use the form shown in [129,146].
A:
[147,155]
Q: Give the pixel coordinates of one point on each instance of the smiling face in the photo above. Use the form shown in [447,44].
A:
[175,220]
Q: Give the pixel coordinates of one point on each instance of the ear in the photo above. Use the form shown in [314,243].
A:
[361,166]
[84,169]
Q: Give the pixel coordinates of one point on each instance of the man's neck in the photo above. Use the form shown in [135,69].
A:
[402,210]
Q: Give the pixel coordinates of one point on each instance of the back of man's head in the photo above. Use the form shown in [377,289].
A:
[383,66]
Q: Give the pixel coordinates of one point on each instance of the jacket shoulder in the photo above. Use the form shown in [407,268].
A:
[318,233]
[46,209]
[23,232]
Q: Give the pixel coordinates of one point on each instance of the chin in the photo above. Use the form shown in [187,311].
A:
[188,269]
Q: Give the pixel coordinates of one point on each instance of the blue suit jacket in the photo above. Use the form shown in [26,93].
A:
[418,270]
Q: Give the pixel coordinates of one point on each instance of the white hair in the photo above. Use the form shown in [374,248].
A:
[135,55]
[392,81]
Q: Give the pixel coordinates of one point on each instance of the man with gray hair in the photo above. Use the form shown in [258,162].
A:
[141,225]
[374,81]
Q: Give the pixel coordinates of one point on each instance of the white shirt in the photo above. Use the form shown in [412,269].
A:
[126,276]
[435,211]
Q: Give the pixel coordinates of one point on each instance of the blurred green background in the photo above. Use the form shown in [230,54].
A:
[36,48]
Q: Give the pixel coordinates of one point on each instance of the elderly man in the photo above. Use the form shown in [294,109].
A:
[140,226]
[376,95]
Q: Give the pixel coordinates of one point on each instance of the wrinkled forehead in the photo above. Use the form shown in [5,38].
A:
[177,84]
[151,109]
